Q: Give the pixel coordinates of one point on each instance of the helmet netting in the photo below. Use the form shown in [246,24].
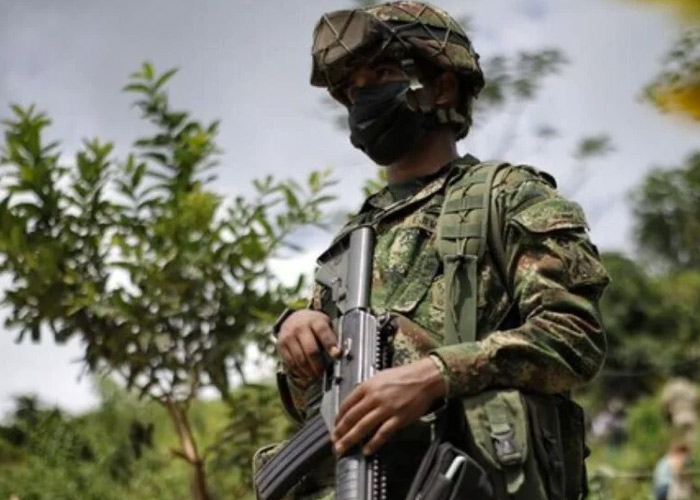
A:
[397,30]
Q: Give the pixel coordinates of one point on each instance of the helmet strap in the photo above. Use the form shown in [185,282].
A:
[419,99]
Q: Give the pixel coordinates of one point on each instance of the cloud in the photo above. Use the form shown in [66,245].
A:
[535,10]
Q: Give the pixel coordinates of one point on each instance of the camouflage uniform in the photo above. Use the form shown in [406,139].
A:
[554,273]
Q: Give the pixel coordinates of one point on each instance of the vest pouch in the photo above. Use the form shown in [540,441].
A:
[417,283]
[499,439]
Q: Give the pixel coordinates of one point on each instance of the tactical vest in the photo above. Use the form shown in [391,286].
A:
[531,445]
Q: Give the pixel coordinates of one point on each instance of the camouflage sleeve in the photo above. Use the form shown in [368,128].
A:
[295,395]
[556,278]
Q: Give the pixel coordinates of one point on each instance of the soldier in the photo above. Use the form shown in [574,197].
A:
[507,323]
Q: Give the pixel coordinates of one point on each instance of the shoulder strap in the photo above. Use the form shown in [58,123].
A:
[464,229]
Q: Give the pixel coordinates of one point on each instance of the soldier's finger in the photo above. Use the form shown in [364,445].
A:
[299,363]
[351,417]
[351,400]
[363,428]
[326,336]
[382,435]
[312,353]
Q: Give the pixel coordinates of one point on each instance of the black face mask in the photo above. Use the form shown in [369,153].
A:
[381,123]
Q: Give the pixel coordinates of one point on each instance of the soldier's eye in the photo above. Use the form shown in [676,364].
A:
[385,71]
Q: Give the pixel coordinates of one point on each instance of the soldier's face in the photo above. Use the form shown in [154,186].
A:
[374,73]
[444,88]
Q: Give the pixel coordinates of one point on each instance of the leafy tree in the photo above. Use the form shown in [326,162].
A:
[651,327]
[46,454]
[258,421]
[677,87]
[667,216]
[121,448]
[636,323]
[163,281]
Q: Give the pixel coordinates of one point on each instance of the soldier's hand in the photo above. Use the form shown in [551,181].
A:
[390,400]
[301,339]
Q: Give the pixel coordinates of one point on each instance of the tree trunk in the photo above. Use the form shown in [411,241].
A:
[188,452]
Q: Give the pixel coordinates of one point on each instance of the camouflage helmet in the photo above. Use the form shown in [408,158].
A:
[403,30]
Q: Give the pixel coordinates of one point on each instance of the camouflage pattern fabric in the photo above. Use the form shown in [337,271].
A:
[555,276]
[449,55]
[448,52]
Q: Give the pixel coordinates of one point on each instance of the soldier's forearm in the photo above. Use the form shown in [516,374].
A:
[551,352]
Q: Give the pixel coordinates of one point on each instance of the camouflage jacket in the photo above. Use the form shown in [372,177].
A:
[554,276]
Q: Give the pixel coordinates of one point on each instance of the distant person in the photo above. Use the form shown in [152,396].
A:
[670,482]
[609,425]
[679,400]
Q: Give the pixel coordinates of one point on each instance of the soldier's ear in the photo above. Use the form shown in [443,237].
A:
[446,90]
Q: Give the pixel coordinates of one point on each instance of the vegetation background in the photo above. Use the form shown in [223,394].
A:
[164,279]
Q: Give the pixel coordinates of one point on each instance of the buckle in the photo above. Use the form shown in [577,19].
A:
[507,450]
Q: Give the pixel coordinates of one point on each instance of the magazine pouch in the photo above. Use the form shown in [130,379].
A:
[499,435]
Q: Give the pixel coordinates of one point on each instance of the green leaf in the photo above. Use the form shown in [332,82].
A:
[137,87]
[594,146]
[314,181]
[147,70]
[163,79]
[290,197]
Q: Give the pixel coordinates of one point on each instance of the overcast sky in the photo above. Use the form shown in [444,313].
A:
[247,63]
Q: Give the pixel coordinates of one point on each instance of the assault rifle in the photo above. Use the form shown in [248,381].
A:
[346,270]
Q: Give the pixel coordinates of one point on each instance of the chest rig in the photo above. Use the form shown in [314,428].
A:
[467,225]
